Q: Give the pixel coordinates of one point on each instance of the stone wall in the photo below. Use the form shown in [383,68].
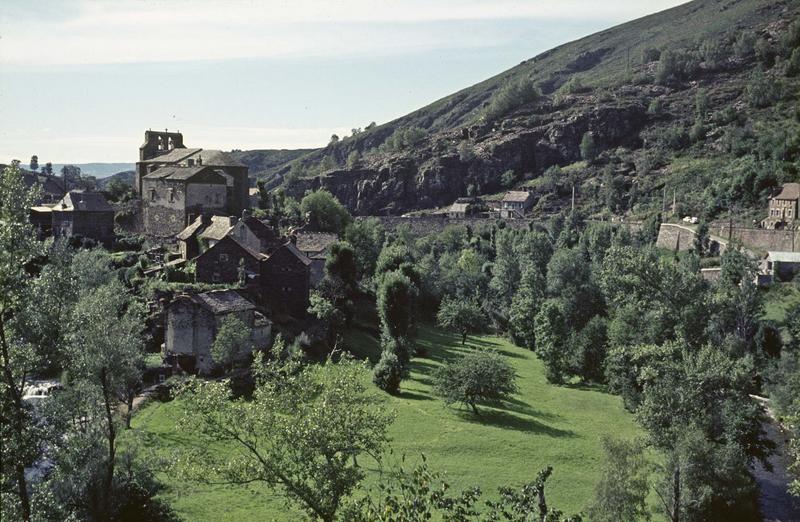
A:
[674,237]
[763,239]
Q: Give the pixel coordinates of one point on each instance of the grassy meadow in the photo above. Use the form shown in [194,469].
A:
[544,425]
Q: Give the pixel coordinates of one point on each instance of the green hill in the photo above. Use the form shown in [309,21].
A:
[695,100]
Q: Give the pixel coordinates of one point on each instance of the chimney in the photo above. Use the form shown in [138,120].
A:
[245,213]
[293,239]
[199,159]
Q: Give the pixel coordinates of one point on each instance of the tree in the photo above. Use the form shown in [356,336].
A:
[524,307]
[367,237]
[396,296]
[300,435]
[476,378]
[551,341]
[48,168]
[332,317]
[106,350]
[324,212]
[353,158]
[621,493]
[511,95]
[588,147]
[389,372]
[462,315]
[232,342]
[18,247]
[34,163]
[334,138]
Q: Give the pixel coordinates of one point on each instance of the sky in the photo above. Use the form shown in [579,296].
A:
[80,81]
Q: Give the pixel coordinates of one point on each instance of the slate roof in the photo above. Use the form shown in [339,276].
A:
[209,157]
[314,241]
[223,301]
[192,229]
[789,191]
[84,202]
[517,196]
[173,156]
[301,256]
[219,227]
[180,173]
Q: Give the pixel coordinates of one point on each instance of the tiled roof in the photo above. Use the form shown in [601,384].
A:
[83,201]
[789,191]
[209,157]
[519,196]
[223,301]
[219,227]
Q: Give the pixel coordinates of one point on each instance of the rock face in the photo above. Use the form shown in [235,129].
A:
[434,175]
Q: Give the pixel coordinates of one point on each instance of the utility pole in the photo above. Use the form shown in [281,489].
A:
[573,197]
[674,201]
[664,202]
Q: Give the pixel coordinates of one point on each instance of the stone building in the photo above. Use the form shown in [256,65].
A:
[174,196]
[781,266]
[192,323]
[515,204]
[223,263]
[84,214]
[188,238]
[166,149]
[219,227]
[463,207]
[255,234]
[783,208]
[285,281]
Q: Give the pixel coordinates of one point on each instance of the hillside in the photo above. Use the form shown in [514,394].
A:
[264,163]
[699,101]
[98,170]
[127,177]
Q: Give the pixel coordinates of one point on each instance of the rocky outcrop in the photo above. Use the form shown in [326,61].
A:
[433,175]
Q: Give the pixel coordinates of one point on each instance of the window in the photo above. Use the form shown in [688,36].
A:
[223,258]
[152,194]
[171,195]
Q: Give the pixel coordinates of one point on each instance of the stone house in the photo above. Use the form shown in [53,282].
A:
[188,238]
[174,196]
[255,234]
[223,262]
[166,149]
[285,280]
[219,227]
[192,323]
[783,208]
[515,204]
[463,207]
[85,214]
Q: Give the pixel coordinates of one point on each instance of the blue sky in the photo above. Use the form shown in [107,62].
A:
[81,81]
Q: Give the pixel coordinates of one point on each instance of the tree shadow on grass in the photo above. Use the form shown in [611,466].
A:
[523,408]
[587,386]
[414,396]
[502,419]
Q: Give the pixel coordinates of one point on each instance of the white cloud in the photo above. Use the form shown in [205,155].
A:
[129,31]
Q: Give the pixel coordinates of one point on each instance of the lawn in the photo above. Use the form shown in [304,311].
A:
[543,425]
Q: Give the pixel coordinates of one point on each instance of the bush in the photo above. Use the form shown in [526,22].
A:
[793,65]
[324,212]
[508,178]
[465,152]
[403,138]
[388,373]
[650,55]
[762,91]
[511,95]
[476,378]
[574,86]
[655,108]
[588,147]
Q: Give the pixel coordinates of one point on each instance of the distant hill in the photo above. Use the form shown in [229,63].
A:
[98,170]
[265,163]
[698,103]
[126,177]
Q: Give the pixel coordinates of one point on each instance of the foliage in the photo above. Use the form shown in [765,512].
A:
[367,237]
[511,95]
[232,342]
[388,372]
[460,315]
[762,90]
[476,378]
[551,338]
[300,435]
[404,138]
[396,296]
[466,152]
[588,147]
[621,493]
[323,212]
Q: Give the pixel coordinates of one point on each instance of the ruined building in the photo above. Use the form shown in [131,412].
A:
[177,184]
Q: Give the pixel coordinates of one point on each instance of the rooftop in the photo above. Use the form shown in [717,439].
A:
[223,301]
[192,229]
[208,157]
[219,227]
[181,173]
[83,201]
[519,196]
[789,191]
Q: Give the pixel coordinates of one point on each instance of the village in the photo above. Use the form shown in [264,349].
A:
[196,207]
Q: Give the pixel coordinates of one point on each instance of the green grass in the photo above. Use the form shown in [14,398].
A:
[543,425]
[778,298]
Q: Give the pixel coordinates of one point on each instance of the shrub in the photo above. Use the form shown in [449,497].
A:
[762,91]
[765,52]
[574,86]
[745,45]
[588,147]
[476,378]
[793,65]
[403,138]
[388,373]
[510,96]
[650,55]
[655,108]
[508,178]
